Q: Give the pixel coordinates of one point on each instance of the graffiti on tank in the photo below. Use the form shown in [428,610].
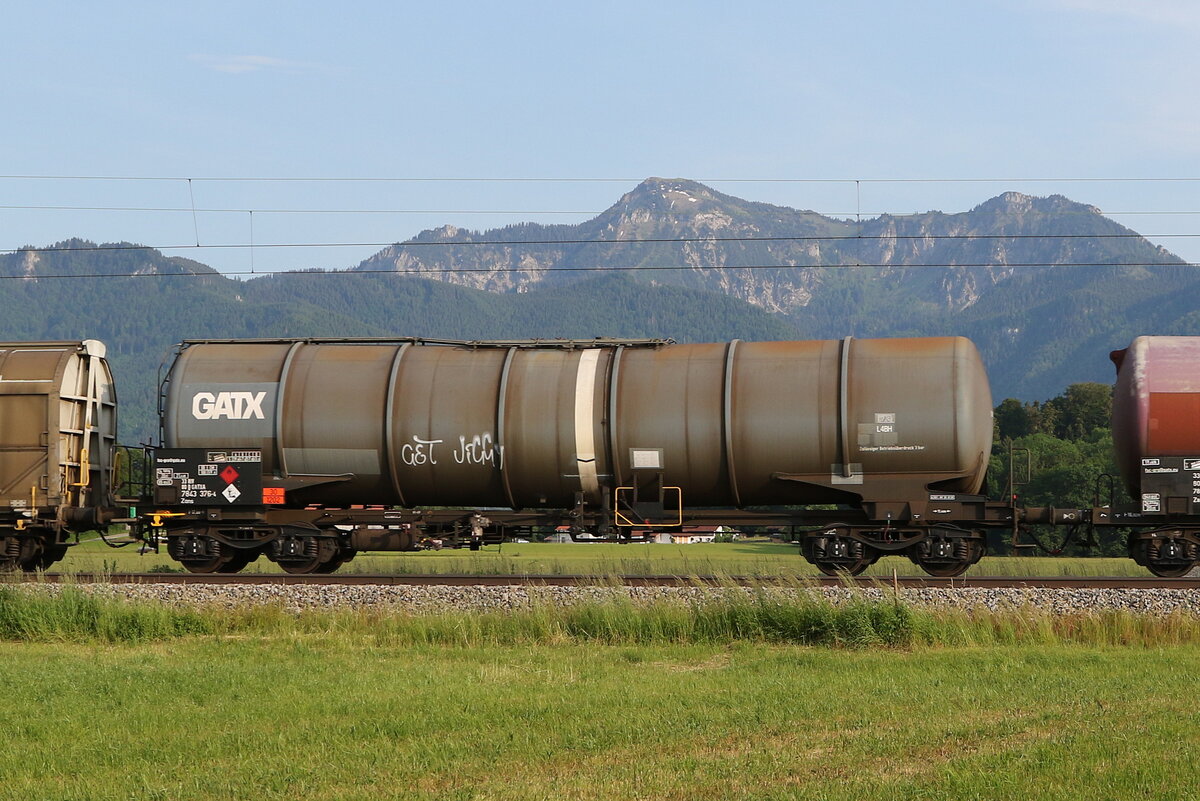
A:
[419,452]
[479,449]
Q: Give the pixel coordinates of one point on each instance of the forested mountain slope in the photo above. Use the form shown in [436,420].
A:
[1045,286]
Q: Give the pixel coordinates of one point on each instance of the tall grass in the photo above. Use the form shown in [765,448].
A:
[723,616]
[75,615]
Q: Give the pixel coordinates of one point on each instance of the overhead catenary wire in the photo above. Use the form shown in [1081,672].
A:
[595,179]
[834,215]
[615,269]
[853,218]
[443,243]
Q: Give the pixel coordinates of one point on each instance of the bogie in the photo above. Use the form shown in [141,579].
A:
[1166,553]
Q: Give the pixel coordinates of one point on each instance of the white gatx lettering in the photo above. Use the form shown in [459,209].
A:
[228,405]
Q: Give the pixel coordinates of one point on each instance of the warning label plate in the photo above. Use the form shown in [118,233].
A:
[192,477]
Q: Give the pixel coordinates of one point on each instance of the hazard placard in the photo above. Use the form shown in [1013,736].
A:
[195,477]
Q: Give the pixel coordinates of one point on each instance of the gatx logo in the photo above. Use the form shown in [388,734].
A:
[228,405]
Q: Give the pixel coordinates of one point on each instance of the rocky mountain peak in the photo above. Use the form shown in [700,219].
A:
[1019,203]
[665,194]
[784,260]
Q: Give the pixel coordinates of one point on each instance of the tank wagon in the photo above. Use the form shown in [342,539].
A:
[1156,436]
[308,451]
[58,428]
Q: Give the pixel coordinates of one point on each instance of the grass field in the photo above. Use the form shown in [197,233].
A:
[742,558]
[313,718]
[106,699]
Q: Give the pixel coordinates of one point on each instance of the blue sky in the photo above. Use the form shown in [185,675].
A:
[942,92]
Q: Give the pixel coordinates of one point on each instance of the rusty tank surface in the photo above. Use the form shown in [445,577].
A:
[1156,407]
[58,422]
[1156,442]
[536,424]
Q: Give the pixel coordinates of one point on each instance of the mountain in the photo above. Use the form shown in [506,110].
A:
[147,302]
[1039,326]
[682,232]
[996,273]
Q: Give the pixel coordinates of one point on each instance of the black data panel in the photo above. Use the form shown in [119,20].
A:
[208,477]
[1170,485]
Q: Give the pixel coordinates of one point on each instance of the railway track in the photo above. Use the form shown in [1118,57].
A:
[1032,582]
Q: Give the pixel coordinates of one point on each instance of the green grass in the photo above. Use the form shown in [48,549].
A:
[108,699]
[338,718]
[75,615]
[721,616]
[743,558]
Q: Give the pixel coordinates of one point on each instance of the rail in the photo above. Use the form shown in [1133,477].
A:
[960,582]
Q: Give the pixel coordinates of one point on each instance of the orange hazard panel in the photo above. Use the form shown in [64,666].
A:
[273,495]
[1173,424]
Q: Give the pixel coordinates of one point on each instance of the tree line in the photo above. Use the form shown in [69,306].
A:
[1063,446]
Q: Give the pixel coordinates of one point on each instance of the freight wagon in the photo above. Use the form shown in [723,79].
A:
[309,451]
[58,431]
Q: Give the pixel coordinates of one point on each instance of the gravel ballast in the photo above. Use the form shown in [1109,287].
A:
[418,599]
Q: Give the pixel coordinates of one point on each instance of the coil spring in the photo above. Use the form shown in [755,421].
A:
[175,548]
[310,548]
[821,547]
[1178,549]
[818,548]
[11,547]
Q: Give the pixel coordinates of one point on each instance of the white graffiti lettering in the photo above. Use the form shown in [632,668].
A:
[419,452]
[479,449]
[228,405]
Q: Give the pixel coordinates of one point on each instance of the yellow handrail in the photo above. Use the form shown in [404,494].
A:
[624,522]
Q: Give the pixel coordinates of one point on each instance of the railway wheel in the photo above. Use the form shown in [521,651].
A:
[945,569]
[1171,571]
[238,561]
[211,564]
[843,569]
[308,554]
[317,565]
[33,550]
[1167,554]
[51,554]
[313,565]
[835,554]
[304,567]
[946,557]
[198,553]
[344,556]
[10,551]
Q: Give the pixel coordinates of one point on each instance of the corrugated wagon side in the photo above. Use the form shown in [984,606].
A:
[58,428]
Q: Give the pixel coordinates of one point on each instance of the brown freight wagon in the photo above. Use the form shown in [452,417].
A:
[58,428]
[273,447]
